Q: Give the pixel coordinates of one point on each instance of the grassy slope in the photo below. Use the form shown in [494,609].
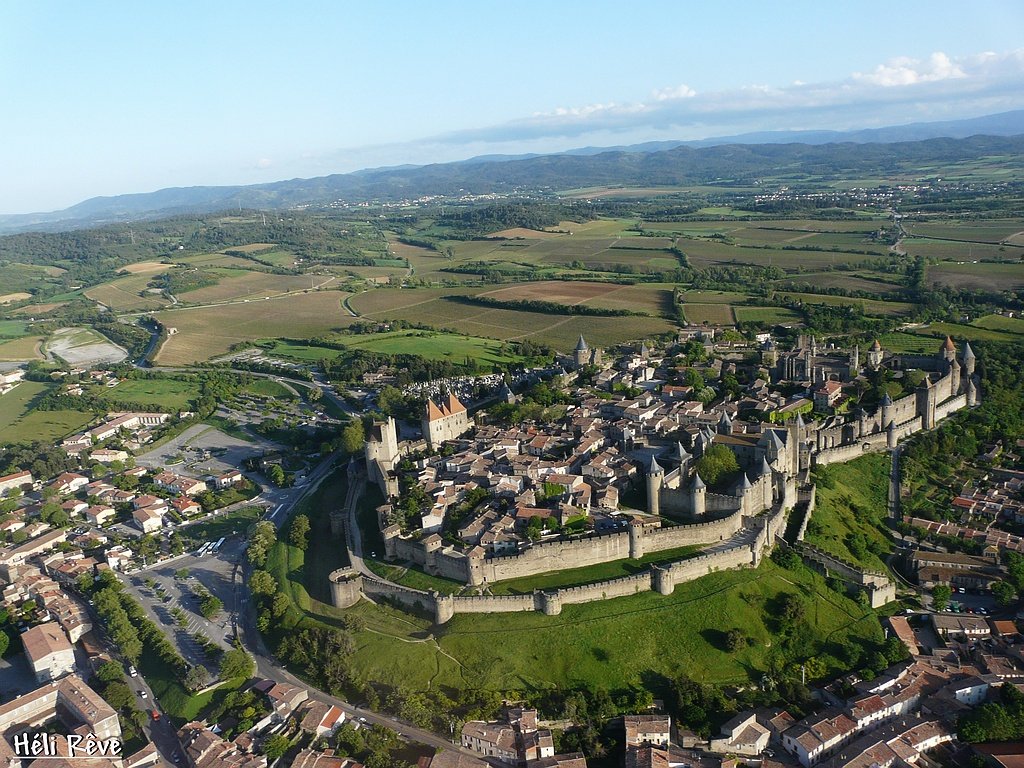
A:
[855,504]
[611,643]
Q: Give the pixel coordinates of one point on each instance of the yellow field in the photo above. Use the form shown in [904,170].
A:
[655,299]
[252,247]
[129,293]
[522,232]
[38,309]
[252,285]
[9,298]
[427,305]
[143,266]
[25,348]
[206,332]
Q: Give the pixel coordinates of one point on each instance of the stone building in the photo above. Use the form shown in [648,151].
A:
[445,421]
[584,355]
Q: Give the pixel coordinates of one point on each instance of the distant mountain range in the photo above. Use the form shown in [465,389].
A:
[742,157]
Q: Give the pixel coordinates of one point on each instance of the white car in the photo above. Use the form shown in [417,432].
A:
[143,694]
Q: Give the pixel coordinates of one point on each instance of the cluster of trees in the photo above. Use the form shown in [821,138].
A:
[262,538]
[1001,720]
[129,626]
[539,402]
[183,280]
[352,364]
[327,656]
[490,218]
[110,683]
[543,307]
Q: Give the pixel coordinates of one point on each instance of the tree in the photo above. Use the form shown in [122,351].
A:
[276,475]
[197,678]
[5,642]
[940,596]
[262,583]
[717,464]
[280,604]
[1004,593]
[236,663]
[298,532]
[735,639]
[109,672]
[390,400]
[352,437]
[276,746]
[119,696]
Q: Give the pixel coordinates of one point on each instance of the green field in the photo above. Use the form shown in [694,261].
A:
[432,345]
[613,644]
[163,393]
[181,705]
[1001,323]
[712,314]
[766,315]
[19,422]
[13,329]
[268,388]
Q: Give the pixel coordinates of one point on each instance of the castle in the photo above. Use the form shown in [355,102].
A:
[446,421]
[592,451]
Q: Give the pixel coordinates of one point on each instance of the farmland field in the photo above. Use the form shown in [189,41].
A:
[1001,323]
[206,332]
[143,266]
[850,281]
[243,284]
[10,298]
[558,331]
[988,276]
[978,230]
[170,394]
[19,423]
[129,293]
[432,345]
[962,251]
[25,348]
[37,310]
[770,315]
[871,306]
[653,299]
[713,314]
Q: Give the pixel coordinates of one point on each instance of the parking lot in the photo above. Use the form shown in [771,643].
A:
[206,450]
[214,572]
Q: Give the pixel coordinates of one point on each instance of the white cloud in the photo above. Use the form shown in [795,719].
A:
[264,162]
[681,91]
[907,71]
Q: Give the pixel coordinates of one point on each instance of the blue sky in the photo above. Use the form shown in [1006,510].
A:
[116,97]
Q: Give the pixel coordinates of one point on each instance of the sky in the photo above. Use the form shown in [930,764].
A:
[115,97]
